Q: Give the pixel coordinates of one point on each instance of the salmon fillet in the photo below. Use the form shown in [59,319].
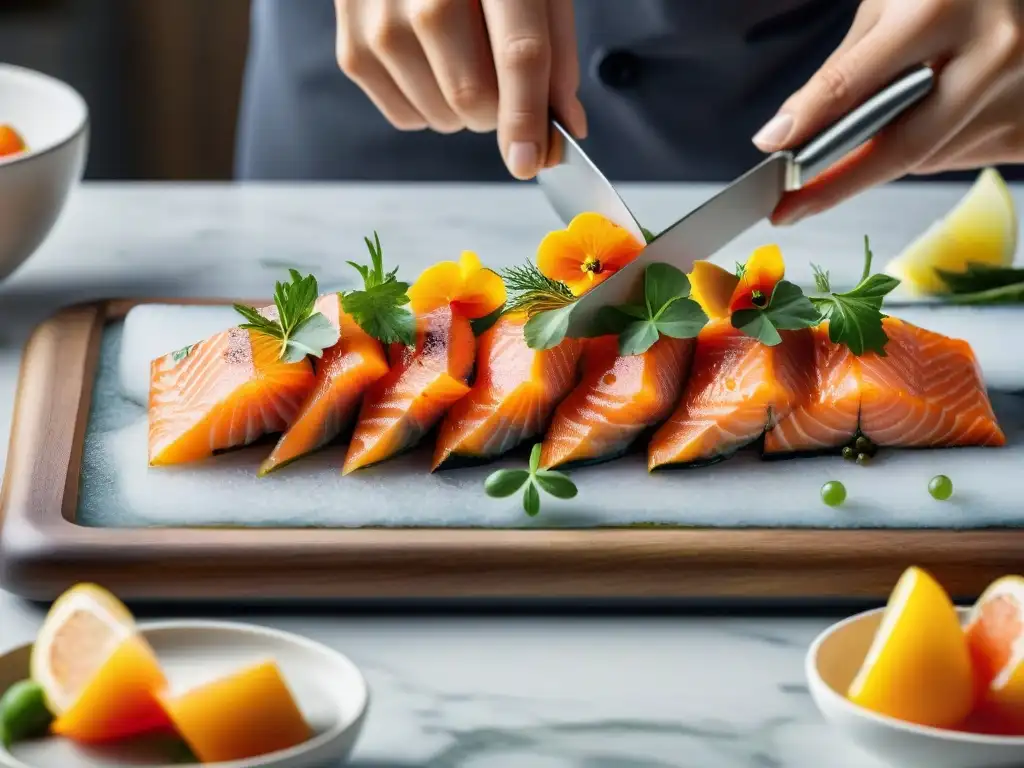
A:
[739,387]
[616,400]
[343,374]
[515,391]
[423,383]
[223,392]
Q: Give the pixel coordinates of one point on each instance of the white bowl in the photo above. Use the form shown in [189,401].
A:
[54,121]
[832,663]
[327,686]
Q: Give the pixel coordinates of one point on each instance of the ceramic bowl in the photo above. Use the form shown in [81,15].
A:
[328,688]
[53,119]
[832,663]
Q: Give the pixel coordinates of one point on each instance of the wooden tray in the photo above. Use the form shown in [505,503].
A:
[43,550]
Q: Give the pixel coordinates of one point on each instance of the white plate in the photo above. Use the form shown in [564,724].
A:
[329,689]
[833,661]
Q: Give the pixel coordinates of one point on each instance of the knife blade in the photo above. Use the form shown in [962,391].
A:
[573,184]
[752,197]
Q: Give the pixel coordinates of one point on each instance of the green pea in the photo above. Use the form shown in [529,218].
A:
[23,712]
[833,493]
[940,487]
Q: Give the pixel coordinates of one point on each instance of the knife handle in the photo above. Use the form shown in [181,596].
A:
[858,126]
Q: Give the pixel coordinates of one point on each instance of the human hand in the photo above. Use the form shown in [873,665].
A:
[477,64]
[973,117]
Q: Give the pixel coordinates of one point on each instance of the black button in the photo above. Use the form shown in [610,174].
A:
[618,69]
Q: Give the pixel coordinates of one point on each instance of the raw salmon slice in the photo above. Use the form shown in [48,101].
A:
[829,417]
[342,376]
[926,392]
[515,391]
[618,398]
[739,387]
[423,383]
[223,392]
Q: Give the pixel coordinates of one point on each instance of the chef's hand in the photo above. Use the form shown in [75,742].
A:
[477,64]
[973,117]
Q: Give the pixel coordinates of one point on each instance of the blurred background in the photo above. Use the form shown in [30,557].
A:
[162,77]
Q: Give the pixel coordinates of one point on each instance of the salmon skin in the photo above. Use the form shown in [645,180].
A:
[223,392]
[739,388]
[423,383]
[343,374]
[618,398]
[925,392]
[515,390]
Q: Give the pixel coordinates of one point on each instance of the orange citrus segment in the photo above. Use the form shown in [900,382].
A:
[11,142]
[918,668]
[244,715]
[995,638]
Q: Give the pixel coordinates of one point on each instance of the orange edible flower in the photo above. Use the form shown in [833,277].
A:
[762,271]
[472,290]
[10,142]
[587,253]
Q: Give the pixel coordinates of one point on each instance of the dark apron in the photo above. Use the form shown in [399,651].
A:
[674,90]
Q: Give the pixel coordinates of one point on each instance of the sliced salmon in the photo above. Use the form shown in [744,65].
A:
[223,392]
[927,391]
[830,415]
[423,383]
[739,387]
[512,398]
[617,399]
[342,376]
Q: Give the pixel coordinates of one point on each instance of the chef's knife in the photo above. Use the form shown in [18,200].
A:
[573,184]
[752,197]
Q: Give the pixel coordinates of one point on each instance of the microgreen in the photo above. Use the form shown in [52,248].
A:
[855,317]
[786,310]
[300,329]
[506,482]
[180,354]
[380,308]
[667,311]
[545,330]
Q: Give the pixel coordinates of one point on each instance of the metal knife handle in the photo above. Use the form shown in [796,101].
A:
[858,126]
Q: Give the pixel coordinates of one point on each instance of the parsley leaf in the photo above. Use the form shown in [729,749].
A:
[648,235]
[855,317]
[300,329]
[380,308]
[787,310]
[667,311]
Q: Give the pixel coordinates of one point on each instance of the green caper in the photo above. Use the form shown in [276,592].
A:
[848,453]
[23,712]
[863,445]
[863,458]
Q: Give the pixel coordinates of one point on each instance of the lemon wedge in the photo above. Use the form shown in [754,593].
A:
[981,229]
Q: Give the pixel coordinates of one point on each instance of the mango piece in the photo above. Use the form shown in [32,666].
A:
[244,715]
[712,287]
[120,700]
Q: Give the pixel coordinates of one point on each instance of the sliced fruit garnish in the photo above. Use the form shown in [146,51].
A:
[995,638]
[244,715]
[712,287]
[981,229]
[98,674]
[11,142]
[918,668]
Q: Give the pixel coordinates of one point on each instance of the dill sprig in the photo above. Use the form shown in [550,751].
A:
[531,291]
[821,279]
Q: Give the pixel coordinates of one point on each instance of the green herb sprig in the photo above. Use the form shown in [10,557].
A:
[667,311]
[506,482]
[984,284]
[786,310]
[855,317]
[380,308]
[300,329]
[531,291]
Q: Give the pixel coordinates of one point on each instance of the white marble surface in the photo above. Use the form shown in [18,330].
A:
[476,692]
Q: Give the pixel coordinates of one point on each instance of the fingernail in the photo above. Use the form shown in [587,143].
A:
[522,159]
[774,133]
[579,119]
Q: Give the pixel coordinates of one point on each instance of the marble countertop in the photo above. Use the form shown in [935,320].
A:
[476,691]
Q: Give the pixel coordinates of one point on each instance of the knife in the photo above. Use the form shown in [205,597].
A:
[751,198]
[573,184]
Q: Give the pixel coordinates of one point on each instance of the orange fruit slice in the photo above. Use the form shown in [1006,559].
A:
[995,639]
[918,668]
[244,715]
[98,673]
